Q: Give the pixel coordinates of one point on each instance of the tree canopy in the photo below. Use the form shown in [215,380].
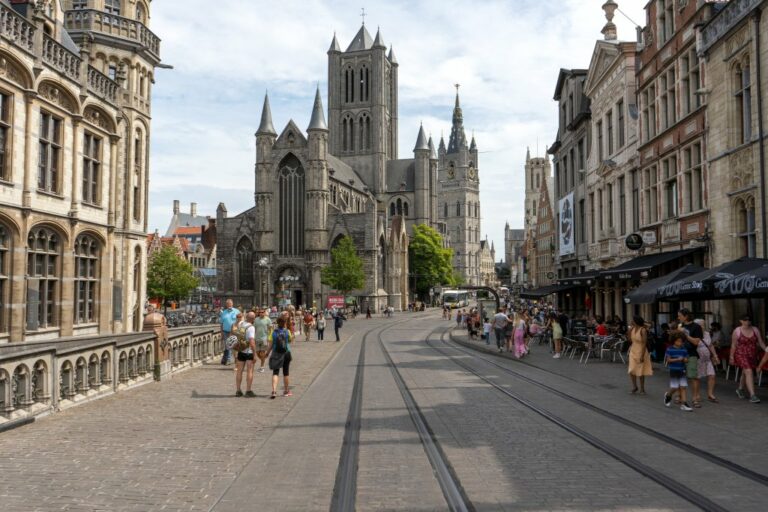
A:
[429,261]
[169,276]
[345,273]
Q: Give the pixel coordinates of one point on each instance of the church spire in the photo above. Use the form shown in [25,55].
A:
[458,139]
[335,47]
[432,152]
[421,141]
[318,116]
[379,41]
[266,127]
[391,56]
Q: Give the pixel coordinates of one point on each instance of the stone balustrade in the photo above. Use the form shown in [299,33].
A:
[61,59]
[88,20]
[16,29]
[101,85]
[42,377]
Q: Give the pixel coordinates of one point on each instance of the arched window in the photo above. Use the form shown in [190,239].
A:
[43,271]
[245,265]
[405,209]
[333,195]
[349,85]
[743,104]
[361,132]
[368,143]
[399,206]
[392,210]
[86,279]
[348,133]
[477,210]
[291,209]
[382,262]
[138,159]
[746,229]
[445,210]
[458,209]
[5,270]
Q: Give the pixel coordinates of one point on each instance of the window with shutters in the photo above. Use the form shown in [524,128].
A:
[44,273]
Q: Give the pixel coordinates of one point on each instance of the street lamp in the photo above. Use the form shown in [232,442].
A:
[263,265]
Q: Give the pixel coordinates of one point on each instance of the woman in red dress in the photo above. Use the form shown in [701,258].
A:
[744,342]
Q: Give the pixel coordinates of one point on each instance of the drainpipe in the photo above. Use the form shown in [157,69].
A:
[760,131]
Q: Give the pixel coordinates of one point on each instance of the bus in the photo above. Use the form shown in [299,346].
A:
[456,298]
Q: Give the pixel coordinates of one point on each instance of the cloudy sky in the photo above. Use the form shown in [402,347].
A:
[227,53]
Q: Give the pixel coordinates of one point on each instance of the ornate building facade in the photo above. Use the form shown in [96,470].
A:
[343,177]
[75,94]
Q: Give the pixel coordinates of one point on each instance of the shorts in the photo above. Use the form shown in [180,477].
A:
[245,356]
[262,346]
[261,354]
[692,367]
[286,366]
[677,382]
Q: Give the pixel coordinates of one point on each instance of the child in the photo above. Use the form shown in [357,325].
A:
[487,331]
[677,356]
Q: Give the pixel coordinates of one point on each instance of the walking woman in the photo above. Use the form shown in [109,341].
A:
[639,358]
[320,326]
[707,361]
[509,331]
[520,328]
[280,357]
[744,342]
[557,334]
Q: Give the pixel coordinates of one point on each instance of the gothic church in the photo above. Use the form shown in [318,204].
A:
[343,177]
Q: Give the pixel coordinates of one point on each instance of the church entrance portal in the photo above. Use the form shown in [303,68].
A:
[298,297]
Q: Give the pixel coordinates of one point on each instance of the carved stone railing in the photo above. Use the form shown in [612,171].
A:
[88,20]
[61,59]
[101,85]
[16,29]
[41,377]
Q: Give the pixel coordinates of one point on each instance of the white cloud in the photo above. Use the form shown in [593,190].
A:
[505,53]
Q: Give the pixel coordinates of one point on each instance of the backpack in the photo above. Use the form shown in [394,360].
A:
[280,341]
[240,333]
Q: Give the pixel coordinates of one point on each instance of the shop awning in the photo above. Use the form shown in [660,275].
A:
[648,292]
[752,284]
[641,267]
[584,279]
[701,286]
[539,293]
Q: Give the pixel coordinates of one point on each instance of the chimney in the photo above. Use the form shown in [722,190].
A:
[193,209]
[175,206]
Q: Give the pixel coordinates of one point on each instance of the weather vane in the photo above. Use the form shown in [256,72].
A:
[362,15]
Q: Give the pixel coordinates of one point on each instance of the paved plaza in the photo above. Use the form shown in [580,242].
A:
[189,444]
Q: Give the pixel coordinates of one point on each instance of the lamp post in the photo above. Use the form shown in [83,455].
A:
[263,265]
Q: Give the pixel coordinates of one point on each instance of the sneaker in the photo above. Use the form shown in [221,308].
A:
[250,394]
[740,393]
[273,396]
[685,407]
[556,356]
[260,370]
[754,399]
[239,393]
[667,399]
[288,393]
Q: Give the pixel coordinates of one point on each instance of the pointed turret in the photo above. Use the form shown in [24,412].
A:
[441,147]
[473,144]
[362,41]
[421,141]
[432,152]
[391,56]
[266,127]
[528,154]
[318,116]
[335,47]
[379,41]
[458,139]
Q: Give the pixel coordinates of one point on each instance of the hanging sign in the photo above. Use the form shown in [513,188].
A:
[634,242]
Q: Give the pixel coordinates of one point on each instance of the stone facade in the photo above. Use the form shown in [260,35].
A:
[541,243]
[76,97]
[344,178]
[514,241]
[488,264]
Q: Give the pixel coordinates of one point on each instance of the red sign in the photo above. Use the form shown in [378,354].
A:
[335,301]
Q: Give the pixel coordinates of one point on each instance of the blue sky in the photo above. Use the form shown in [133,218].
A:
[227,53]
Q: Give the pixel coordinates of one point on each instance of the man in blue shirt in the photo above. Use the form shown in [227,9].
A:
[227,319]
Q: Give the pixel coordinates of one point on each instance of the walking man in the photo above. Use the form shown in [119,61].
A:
[245,346]
[227,319]
[262,325]
[500,321]
[338,323]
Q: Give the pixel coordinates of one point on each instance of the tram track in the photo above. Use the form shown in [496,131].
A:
[671,484]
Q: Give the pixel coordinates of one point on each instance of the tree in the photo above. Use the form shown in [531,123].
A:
[345,273]
[429,261]
[169,276]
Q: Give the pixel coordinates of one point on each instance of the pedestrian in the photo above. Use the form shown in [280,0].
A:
[707,361]
[338,323]
[499,323]
[245,347]
[459,317]
[227,318]
[368,312]
[639,358]
[262,327]
[320,326]
[280,357]
[557,334]
[677,359]
[487,331]
[509,331]
[692,335]
[308,323]
[520,327]
[744,342]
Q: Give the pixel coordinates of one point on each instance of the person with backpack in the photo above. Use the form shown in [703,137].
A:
[320,326]
[280,357]
[227,318]
[338,323]
[245,346]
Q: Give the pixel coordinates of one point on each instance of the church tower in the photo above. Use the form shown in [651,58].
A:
[362,106]
[537,170]
[460,186]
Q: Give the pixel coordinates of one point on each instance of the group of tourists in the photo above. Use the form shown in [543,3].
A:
[254,335]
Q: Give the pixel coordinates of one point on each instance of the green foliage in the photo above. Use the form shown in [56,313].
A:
[429,261]
[345,273]
[170,277]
